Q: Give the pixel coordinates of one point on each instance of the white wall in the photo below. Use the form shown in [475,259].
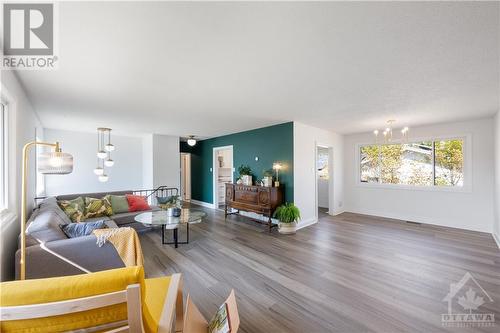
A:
[468,210]
[126,174]
[161,154]
[305,140]
[147,161]
[23,122]
[496,223]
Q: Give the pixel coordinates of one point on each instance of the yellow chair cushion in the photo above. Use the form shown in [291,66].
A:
[156,292]
[70,287]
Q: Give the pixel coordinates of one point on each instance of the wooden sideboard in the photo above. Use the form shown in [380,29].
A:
[258,199]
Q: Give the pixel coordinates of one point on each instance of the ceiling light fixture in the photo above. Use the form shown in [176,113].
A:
[103,153]
[388,132]
[191,141]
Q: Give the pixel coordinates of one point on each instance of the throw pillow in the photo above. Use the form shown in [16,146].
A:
[167,200]
[73,230]
[119,203]
[73,208]
[97,207]
[137,203]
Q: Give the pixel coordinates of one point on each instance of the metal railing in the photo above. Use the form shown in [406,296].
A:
[161,191]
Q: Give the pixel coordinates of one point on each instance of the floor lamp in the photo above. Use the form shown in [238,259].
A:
[52,163]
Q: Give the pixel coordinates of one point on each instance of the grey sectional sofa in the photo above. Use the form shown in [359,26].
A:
[49,252]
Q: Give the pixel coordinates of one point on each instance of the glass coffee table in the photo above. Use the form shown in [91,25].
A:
[161,218]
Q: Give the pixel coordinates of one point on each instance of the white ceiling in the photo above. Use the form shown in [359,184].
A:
[215,68]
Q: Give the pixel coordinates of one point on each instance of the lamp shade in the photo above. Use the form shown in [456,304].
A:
[55,163]
[191,142]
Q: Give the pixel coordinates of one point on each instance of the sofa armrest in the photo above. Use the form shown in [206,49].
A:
[68,257]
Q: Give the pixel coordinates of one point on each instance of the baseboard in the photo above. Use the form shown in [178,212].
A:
[419,219]
[496,238]
[203,203]
[336,213]
[306,223]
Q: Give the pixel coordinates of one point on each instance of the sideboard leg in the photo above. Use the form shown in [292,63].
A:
[225,212]
[270,223]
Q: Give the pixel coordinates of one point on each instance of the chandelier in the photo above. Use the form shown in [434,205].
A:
[103,153]
[388,133]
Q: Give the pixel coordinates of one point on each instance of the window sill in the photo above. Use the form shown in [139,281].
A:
[463,189]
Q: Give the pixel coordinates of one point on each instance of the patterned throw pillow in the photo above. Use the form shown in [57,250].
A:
[73,208]
[97,207]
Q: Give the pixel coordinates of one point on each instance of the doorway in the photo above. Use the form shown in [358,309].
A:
[222,174]
[185,176]
[324,175]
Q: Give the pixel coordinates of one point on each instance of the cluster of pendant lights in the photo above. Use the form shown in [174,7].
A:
[103,153]
[387,133]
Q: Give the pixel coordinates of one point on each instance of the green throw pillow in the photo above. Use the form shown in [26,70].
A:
[73,208]
[119,203]
[97,207]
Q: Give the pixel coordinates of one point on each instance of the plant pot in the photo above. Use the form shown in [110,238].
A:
[287,228]
[267,181]
[247,179]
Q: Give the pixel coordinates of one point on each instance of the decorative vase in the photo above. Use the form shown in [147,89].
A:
[287,228]
[247,179]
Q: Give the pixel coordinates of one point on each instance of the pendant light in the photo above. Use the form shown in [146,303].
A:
[103,153]
[191,140]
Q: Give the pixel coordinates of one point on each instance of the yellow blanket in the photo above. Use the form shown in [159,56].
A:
[126,243]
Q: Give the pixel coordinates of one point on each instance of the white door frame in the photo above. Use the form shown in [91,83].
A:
[187,176]
[330,178]
[215,167]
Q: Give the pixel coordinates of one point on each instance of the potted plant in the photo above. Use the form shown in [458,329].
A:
[268,178]
[245,174]
[172,204]
[288,215]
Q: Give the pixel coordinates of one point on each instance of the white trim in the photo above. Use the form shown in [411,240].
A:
[215,193]
[496,238]
[203,203]
[413,218]
[467,154]
[307,223]
[331,198]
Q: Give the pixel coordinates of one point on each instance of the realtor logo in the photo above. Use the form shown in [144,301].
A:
[28,35]
[467,296]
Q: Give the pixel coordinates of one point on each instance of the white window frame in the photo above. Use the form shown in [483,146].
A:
[467,171]
[4,157]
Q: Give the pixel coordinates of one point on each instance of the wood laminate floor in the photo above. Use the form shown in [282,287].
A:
[349,273]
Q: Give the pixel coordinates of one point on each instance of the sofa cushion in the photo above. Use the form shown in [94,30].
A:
[74,230]
[124,218]
[51,203]
[56,289]
[45,226]
[97,207]
[119,203]
[127,218]
[75,208]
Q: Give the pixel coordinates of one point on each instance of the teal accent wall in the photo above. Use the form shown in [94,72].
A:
[270,144]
